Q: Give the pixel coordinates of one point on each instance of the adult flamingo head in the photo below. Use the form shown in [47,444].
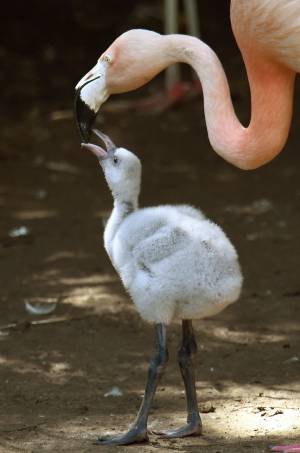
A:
[132,60]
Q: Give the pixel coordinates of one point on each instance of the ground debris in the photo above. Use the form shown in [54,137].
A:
[257,207]
[57,166]
[207,408]
[293,359]
[277,412]
[26,324]
[114,391]
[267,411]
[17,232]
[40,308]
[18,235]
[63,167]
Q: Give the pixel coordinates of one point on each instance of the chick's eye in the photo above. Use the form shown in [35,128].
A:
[116,160]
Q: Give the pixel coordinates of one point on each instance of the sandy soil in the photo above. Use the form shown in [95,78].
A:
[55,374]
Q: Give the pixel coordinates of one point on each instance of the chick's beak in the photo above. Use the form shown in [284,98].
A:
[90,94]
[99,152]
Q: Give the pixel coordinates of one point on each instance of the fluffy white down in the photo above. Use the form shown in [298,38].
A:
[175,263]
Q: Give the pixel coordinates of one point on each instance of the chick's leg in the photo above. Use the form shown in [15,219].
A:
[138,431]
[188,347]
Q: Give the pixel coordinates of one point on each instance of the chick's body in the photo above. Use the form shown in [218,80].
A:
[175,263]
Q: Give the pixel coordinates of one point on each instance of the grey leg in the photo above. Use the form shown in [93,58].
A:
[188,347]
[138,431]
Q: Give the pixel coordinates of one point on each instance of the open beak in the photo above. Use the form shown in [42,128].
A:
[90,94]
[109,144]
[99,152]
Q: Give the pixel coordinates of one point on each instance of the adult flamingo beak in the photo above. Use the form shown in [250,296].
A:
[91,92]
[84,116]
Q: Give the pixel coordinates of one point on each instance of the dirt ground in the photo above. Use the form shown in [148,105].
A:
[55,372]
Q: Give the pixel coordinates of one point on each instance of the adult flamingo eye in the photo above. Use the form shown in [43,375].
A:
[106,58]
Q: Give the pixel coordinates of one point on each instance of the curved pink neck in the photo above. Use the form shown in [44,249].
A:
[271,86]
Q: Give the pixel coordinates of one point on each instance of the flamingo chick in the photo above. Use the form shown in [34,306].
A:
[175,264]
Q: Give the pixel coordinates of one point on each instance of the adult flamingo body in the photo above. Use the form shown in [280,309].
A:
[268,34]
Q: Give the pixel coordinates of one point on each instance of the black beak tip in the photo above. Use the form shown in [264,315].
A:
[85,117]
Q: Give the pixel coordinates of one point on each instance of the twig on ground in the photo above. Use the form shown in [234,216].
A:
[24,325]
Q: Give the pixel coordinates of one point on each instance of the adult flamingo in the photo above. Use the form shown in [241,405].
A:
[268,35]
